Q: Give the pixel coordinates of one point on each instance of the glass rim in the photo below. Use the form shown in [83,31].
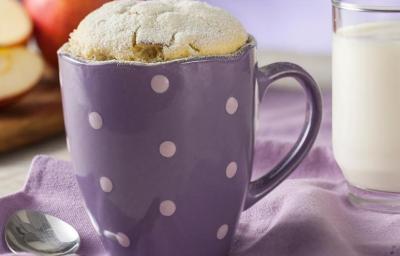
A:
[364,7]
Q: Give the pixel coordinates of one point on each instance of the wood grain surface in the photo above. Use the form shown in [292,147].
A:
[34,118]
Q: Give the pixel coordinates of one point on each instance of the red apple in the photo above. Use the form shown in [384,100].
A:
[15,24]
[20,70]
[54,20]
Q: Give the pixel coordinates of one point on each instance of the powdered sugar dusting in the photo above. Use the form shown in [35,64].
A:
[156,30]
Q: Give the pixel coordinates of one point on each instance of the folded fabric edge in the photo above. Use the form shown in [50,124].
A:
[40,164]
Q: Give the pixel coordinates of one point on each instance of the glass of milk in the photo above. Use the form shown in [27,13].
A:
[366,100]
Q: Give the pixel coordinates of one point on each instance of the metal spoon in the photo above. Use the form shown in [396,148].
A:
[40,234]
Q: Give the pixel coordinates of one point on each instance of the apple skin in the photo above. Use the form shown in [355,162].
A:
[54,20]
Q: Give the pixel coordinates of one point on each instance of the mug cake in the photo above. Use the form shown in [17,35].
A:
[155,31]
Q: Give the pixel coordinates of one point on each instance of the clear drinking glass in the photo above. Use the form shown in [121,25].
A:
[366,100]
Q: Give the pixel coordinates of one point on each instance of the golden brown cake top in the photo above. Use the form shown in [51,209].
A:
[155,30]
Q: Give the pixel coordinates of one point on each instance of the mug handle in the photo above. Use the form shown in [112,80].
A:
[265,77]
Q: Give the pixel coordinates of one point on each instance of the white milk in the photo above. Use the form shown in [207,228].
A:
[366,104]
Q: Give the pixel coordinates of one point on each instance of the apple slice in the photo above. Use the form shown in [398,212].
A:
[15,23]
[20,70]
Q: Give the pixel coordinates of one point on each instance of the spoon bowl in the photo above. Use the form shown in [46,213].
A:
[41,234]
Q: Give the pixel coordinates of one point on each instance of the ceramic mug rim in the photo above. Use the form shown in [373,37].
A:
[252,43]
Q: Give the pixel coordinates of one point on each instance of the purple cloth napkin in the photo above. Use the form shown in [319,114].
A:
[306,215]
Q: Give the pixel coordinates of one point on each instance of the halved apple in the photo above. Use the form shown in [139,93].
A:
[15,23]
[20,70]
[54,20]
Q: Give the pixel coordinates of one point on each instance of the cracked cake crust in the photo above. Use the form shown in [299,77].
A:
[154,31]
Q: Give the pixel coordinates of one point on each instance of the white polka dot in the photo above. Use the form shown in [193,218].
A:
[231,170]
[123,240]
[95,120]
[231,105]
[167,149]
[167,208]
[110,235]
[106,184]
[160,83]
[222,232]
[68,145]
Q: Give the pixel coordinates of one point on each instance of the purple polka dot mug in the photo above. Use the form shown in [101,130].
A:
[163,152]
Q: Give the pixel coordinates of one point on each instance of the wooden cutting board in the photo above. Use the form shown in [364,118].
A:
[34,118]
